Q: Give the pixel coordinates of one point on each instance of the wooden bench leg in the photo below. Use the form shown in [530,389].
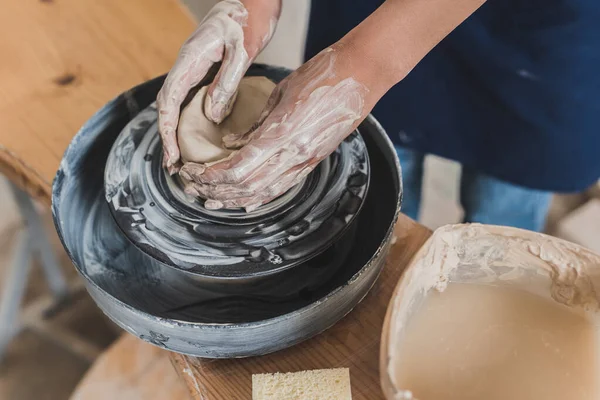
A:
[40,244]
[13,290]
[32,240]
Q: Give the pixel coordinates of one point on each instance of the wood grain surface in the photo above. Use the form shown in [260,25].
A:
[131,369]
[62,60]
[352,343]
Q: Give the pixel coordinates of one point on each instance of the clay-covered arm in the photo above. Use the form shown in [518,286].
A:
[387,45]
[318,105]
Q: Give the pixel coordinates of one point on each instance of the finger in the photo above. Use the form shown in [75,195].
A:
[272,102]
[204,191]
[235,141]
[261,178]
[234,169]
[244,162]
[185,74]
[229,204]
[249,188]
[248,203]
[213,204]
[216,193]
[255,151]
[239,140]
[256,183]
[190,171]
[284,183]
[250,199]
[193,172]
[169,144]
[189,188]
[221,92]
[173,169]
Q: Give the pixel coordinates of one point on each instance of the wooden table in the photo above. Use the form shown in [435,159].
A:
[64,59]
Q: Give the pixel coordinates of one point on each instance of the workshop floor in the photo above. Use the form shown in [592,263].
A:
[36,368]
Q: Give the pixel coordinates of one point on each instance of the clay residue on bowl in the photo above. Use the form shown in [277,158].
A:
[168,308]
[482,254]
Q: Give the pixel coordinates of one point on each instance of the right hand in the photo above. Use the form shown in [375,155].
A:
[307,116]
[232,32]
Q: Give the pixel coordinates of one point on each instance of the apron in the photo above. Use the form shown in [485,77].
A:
[513,92]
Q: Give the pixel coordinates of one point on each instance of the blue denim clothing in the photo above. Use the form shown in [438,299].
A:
[513,92]
[484,199]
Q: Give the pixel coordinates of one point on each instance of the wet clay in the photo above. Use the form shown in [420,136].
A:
[491,312]
[200,139]
[490,342]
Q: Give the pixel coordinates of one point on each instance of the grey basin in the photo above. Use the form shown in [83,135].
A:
[172,312]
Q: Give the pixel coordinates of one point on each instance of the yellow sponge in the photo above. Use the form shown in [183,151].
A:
[320,384]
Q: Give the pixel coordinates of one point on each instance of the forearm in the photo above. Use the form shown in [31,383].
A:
[262,4]
[387,45]
[261,13]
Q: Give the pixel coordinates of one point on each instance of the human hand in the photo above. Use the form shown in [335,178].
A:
[307,116]
[233,32]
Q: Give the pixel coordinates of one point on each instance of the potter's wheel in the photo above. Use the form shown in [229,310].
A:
[176,229]
[181,307]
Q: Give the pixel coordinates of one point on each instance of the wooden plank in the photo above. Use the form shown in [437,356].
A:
[353,342]
[131,369]
[64,59]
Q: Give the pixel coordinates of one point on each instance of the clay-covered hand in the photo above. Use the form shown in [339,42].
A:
[233,32]
[306,118]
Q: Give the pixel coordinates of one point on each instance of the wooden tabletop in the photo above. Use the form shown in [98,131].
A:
[62,60]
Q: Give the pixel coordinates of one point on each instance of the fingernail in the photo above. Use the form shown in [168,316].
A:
[209,108]
[213,204]
[218,106]
[217,112]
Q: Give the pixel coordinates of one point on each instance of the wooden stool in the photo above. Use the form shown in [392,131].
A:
[32,241]
[131,369]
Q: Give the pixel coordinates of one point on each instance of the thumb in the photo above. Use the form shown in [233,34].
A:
[222,91]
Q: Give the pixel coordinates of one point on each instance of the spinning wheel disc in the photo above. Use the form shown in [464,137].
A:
[154,212]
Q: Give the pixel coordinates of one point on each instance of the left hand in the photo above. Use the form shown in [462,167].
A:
[233,32]
[307,116]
